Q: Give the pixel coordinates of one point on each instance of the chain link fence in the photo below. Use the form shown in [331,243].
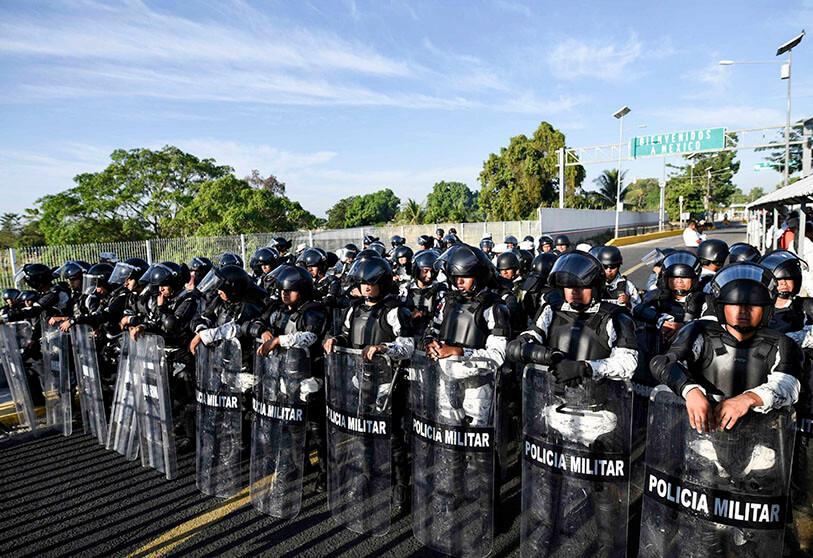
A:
[586,225]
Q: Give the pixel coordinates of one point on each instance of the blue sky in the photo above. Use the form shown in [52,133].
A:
[340,98]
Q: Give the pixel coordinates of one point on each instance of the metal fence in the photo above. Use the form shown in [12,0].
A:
[184,249]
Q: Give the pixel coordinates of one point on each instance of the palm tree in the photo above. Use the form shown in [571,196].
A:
[608,186]
[412,213]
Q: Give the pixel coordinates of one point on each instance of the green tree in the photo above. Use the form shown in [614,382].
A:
[10,225]
[643,194]
[608,186]
[412,213]
[336,215]
[137,196]
[229,205]
[451,202]
[525,175]
[777,155]
[702,173]
[371,209]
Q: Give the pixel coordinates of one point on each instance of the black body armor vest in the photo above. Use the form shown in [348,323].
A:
[464,323]
[729,369]
[369,326]
[582,336]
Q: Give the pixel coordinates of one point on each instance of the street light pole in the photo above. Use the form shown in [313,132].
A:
[787,122]
[619,114]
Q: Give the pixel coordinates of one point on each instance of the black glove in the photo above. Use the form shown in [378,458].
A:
[571,371]
[520,350]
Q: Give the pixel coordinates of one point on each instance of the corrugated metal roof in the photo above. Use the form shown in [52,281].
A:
[799,191]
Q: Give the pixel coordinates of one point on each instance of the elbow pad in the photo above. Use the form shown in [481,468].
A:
[169,323]
[667,370]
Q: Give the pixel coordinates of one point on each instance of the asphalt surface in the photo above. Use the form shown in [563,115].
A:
[69,496]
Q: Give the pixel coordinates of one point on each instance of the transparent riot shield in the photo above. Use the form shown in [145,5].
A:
[453,454]
[89,382]
[278,432]
[358,440]
[13,337]
[802,485]
[575,467]
[715,494]
[55,378]
[122,434]
[153,405]
[219,418]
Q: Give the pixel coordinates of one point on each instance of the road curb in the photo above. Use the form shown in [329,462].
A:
[627,240]
[8,414]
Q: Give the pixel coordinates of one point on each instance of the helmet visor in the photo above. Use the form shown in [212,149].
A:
[210,283]
[121,273]
[89,283]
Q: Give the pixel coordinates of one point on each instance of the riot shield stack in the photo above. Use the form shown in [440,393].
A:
[56,378]
[358,440]
[219,418]
[723,493]
[13,338]
[122,434]
[575,470]
[453,449]
[153,405]
[279,430]
[89,382]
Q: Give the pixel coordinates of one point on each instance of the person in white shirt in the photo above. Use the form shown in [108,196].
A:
[691,236]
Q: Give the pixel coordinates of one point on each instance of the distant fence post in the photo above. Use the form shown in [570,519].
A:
[149,251]
[243,248]
[310,238]
[12,254]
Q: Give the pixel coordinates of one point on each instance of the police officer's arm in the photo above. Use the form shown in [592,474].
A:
[782,387]
[646,311]
[632,292]
[623,359]
[235,328]
[312,327]
[672,368]
[110,313]
[433,329]
[499,324]
[47,303]
[404,345]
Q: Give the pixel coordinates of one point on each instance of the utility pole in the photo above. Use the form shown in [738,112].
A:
[708,194]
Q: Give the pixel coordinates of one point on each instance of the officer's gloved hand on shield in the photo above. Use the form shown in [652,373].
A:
[308,386]
[571,372]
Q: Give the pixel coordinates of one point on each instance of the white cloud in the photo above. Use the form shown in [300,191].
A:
[610,61]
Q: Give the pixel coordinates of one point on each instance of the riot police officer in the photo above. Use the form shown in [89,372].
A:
[713,254]
[298,321]
[423,292]
[743,252]
[789,311]
[377,322]
[535,288]
[617,288]
[263,262]
[402,264]
[508,287]
[562,243]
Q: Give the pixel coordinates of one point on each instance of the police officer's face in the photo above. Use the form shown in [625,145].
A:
[464,283]
[289,298]
[510,245]
[265,268]
[546,248]
[578,295]
[785,285]
[165,291]
[76,283]
[425,275]
[680,283]
[402,260]
[561,248]
[611,272]
[314,271]
[510,274]
[223,296]
[131,284]
[743,315]
[370,291]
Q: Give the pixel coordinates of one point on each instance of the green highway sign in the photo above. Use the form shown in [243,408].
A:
[677,143]
[765,166]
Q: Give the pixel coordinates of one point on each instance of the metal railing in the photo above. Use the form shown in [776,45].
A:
[184,249]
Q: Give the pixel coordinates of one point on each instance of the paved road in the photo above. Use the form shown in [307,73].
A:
[69,496]
[633,253]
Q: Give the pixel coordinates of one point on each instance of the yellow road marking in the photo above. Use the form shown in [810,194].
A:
[165,543]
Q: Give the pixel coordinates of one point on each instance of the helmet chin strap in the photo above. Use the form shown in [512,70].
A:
[785,294]
[743,329]
[680,292]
